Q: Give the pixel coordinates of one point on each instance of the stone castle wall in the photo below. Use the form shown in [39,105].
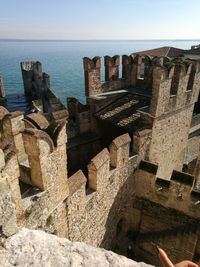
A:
[77,207]
[130,74]
[90,208]
[175,90]
[120,195]
[169,133]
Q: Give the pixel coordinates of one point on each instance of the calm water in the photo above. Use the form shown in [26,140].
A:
[63,60]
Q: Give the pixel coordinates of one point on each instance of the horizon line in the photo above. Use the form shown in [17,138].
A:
[94,40]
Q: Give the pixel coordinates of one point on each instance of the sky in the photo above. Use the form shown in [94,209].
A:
[100,19]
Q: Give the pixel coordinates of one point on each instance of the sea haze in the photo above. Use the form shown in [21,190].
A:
[62,60]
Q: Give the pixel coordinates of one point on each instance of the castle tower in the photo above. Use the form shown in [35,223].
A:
[29,70]
[175,90]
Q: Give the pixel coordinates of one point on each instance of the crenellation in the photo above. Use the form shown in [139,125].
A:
[37,84]
[18,126]
[120,150]
[10,173]
[92,75]
[148,167]
[6,139]
[36,120]
[147,73]
[171,112]
[129,70]
[46,164]
[76,181]
[173,90]
[98,170]
[178,74]
[9,163]
[182,177]
[138,126]
[17,123]
[162,183]
[29,69]
[92,67]
[57,132]
[111,68]
[178,190]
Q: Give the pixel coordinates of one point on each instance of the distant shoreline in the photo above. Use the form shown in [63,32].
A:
[114,40]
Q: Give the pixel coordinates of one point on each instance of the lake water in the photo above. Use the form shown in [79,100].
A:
[62,60]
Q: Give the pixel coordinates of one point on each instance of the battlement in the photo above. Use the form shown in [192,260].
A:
[178,177]
[6,139]
[46,151]
[108,172]
[178,192]
[37,83]
[32,160]
[89,205]
[92,68]
[29,70]
[111,68]
[173,83]
[31,66]
[36,120]
[9,168]
[101,166]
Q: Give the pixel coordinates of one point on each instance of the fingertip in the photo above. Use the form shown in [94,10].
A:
[164,258]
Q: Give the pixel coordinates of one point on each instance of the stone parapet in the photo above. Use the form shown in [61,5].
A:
[175,86]
[177,192]
[91,198]
[111,68]
[119,150]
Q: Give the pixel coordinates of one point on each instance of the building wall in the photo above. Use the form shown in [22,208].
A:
[121,195]
[164,213]
[89,210]
[175,90]
[169,141]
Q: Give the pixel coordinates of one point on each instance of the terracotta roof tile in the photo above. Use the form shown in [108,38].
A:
[166,51]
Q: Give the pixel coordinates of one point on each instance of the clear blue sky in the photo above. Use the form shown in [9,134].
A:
[100,19]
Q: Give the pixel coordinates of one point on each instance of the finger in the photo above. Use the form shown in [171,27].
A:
[164,258]
[192,264]
[186,264]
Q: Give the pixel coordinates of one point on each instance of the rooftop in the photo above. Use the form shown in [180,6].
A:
[165,51]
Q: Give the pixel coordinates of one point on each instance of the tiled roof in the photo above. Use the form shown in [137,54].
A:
[162,51]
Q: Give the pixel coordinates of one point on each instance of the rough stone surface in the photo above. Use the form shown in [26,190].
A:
[7,211]
[36,248]
[100,206]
